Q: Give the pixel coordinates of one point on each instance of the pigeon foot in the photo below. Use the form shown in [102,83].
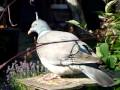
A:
[50,76]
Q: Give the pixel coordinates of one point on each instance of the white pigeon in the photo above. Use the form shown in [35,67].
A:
[66,54]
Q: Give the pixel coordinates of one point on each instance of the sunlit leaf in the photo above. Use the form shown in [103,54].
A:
[98,52]
[108,7]
[104,49]
[117,82]
[77,23]
[115,25]
[112,60]
[117,68]
[104,59]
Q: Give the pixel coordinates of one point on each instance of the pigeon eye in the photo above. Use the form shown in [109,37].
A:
[34,25]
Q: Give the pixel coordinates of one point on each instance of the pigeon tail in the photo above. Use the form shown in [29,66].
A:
[97,75]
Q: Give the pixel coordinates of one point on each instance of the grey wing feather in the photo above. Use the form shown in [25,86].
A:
[99,76]
[85,48]
[79,59]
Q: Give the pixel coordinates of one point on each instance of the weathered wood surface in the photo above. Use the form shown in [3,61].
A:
[39,83]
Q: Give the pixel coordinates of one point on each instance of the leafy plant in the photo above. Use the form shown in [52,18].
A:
[108,49]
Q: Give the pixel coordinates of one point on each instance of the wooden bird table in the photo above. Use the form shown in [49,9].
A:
[65,83]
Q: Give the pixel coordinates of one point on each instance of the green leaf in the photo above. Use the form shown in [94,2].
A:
[98,52]
[105,59]
[108,7]
[115,25]
[117,68]
[77,23]
[104,49]
[112,61]
[117,81]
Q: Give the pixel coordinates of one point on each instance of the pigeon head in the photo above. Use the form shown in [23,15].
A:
[39,26]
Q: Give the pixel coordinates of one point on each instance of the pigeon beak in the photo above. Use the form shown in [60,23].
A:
[29,32]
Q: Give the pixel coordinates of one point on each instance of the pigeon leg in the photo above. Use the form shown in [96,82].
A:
[50,76]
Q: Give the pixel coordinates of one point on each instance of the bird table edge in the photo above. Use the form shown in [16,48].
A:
[65,83]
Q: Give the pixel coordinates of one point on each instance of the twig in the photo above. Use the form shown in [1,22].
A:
[9,17]
[32,49]
[6,8]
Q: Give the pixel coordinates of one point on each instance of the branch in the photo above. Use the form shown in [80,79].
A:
[6,8]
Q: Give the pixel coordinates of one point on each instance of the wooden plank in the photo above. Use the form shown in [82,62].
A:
[64,83]
[40,83]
